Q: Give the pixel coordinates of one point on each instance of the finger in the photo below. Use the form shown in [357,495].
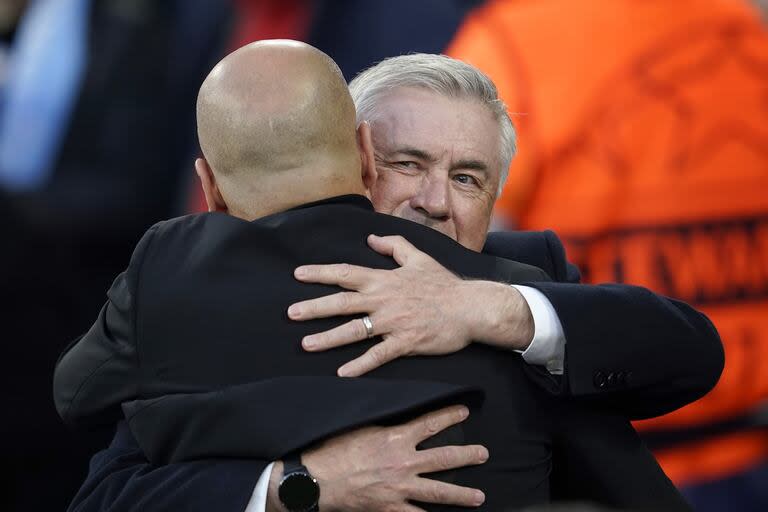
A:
[350,332]
[337,304]
[433,491]
[429,424]
[395,246]
[351,277]
[444,458]
[376,356]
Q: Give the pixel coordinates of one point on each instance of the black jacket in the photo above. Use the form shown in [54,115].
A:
[195,333]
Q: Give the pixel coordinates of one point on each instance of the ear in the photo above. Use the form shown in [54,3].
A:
[213,197]
[368,162]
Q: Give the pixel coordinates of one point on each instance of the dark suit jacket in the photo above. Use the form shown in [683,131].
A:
[191,337]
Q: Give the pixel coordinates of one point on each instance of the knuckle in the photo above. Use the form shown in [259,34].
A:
[444,458]
[432,425]
[456,455]
[430,494]
[379,353]
[409,346]
[407,465]
[398,487]
[358,330]
[377,277]
[471,455]
[463,455]
[398,239]
[344,270]
[392,436]
[435,495]
[393,349]
[343,302]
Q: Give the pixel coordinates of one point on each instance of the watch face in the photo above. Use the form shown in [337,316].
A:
[299,492]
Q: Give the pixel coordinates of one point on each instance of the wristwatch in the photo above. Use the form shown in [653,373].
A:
[298,490]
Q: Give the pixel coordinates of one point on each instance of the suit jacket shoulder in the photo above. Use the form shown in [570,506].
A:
[542,249]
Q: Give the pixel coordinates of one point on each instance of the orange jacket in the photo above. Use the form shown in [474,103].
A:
[643,139]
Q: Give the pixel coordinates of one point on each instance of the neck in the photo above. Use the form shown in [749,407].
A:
[289,190]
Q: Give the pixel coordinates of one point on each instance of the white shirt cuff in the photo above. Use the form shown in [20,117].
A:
[548,345]
[258,502]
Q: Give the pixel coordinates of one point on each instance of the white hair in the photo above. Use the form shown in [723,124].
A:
[443,75]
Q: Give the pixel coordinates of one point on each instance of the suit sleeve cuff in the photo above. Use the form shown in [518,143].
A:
[258,502]
[548,345]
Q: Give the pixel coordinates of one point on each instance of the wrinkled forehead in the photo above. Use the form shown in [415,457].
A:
[446,127]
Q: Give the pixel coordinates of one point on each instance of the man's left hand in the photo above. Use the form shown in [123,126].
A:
[420,308]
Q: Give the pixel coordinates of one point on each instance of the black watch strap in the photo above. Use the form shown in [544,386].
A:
[293,469]
[292,464]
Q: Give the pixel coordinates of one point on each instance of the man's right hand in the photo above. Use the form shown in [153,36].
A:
[379,468]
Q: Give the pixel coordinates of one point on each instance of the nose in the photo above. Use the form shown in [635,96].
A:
[432,198]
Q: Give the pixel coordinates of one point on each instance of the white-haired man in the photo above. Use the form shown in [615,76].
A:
[442,142]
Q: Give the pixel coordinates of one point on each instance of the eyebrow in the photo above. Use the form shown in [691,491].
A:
[416,153]
[477,165]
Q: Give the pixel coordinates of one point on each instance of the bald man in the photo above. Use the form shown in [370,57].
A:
[201,306]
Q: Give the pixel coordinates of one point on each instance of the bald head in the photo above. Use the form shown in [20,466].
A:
[272,113]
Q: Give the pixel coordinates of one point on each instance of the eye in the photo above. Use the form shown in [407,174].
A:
[466,179]
[409,164]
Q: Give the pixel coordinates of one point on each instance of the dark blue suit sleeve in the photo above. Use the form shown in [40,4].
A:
[628,350]
[229,422]
[121,479]
[634,352]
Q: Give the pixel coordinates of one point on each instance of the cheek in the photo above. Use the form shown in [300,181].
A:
[472,224]
[382,200]
[391,190]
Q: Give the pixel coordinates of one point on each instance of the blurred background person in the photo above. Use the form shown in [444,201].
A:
[644,145]
[97,103]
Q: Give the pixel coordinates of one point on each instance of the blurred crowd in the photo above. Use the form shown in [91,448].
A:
[643,142]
